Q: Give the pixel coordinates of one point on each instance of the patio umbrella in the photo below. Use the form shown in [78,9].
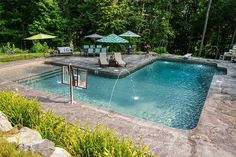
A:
[94,36]
[113,38]
[40,36]
[130,34]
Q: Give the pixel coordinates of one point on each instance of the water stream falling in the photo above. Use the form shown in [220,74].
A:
[135,97]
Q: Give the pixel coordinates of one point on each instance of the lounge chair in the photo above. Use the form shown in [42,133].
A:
[97,50]
[99,46]
[85,46]
[92,46]
[187,56]
[231,54]
[104,50]
[119,60]
[90,51]
[103,59]
[85,49]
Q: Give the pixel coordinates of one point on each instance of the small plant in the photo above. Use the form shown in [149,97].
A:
[160,50]
[20,51]
[10,150]
[86,142]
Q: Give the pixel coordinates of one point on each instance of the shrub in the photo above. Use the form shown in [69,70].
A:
[10,150]
[160,50]
[8,48]
[11,49]
[20,51]
[97,141]
[39,48]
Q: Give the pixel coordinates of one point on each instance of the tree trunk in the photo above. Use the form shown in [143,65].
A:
[217,43]
[233,38]
[205,27]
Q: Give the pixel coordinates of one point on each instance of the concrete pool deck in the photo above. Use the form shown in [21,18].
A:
[215,134]
[134,62]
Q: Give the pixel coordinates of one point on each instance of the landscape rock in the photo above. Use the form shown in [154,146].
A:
[59,152]
[25,135]
[5,125]
[43,147]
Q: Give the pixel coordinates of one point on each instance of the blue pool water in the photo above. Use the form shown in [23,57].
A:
[171,93]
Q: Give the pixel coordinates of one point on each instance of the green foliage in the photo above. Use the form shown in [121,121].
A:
[11,49]
[179,23]
[98,141]
[8,48]
[10,150]
[40,48]
[160,50]
[20,51]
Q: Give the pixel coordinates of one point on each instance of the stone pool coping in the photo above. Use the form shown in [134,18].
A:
[91,64]
[215,134]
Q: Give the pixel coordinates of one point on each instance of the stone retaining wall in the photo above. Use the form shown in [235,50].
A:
[29,140]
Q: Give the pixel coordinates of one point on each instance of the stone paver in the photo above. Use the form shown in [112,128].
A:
[215,134]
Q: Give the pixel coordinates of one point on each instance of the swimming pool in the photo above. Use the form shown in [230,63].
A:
[168,92]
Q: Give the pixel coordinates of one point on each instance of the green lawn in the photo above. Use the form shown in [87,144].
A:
[23,56]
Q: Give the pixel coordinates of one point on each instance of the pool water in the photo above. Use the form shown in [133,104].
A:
[168,92]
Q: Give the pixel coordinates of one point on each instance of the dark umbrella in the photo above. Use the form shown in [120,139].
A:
[94,36]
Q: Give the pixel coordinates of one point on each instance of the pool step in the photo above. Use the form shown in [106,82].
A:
[35,77]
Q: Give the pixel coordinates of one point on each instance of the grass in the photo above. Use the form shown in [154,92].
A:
[86,142]
[10,150]
[15,57]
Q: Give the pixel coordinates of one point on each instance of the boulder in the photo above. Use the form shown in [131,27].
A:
[25,135]
[5,125]
[43,147]
[59,152]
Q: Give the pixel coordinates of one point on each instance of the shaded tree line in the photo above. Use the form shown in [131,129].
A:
[175,24]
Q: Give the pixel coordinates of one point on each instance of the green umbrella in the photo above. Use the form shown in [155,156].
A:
[129,34]
[113,38]
[40,36]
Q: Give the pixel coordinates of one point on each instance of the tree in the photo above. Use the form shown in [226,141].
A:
[48,19]
[14,18]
